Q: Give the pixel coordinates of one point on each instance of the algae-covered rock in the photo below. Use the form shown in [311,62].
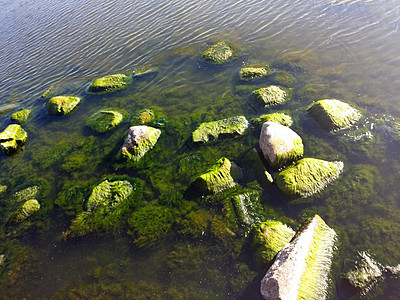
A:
[234,125]
[146,71]
[271,95]
[279,118]
[25,211]
[365,273]
[282,78]
[218,53]
[140,139]
[301,268]
[307,177]
[12,139]
[280,144]
[21,116]
[62,105]
[216,179]
[334,114]
[25,194]
[110,83]
[269,238]
[254,73]
[3,189]
[104,120]
[152,116]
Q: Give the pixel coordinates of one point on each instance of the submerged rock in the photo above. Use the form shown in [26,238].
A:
[307,177]
[140,139]
[280,144]
[334,114]
[301,268]
[62,105]
[217,178]
[152,116]
[271,95]
[218,53]
[269,238]
[147,71]
[234,125]
[3,189]
[25,194]
[12,139]
[110,83]
[279,118]
[21,116]
[365,273]
[25,211]
[104,120]
[254,73]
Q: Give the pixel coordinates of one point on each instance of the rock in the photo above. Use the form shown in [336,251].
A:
[217,178]
[3,189]
[147,71]
[334,114]
[152,116]
[365,273]
[110,83]
[307,177]
[12,139]
[25,211]
[271,95]
[393,271]
[301,268]
[104,120]
[25,194]
[280,144]
[109,194]
[279,118]
[234,125]
[2,259]
[269,238]
[21,116]
[62,105]
[282,78]
[218,53]
[140,139]
[253,73]
[49,91]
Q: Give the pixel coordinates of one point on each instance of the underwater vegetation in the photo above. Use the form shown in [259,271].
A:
[62,105]
[110,83]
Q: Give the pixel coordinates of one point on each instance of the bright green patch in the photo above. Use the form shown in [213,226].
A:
[104,120]
[110,83]
[21,116]
[279,118]
[25,211]
[62,105]
[152,116]
[271,95]
[218,53]
[12,139]
[307,177]
[3,189]
[254,73]
[334,114]
[234,125]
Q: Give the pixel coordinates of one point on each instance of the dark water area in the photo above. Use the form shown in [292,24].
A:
[348,50]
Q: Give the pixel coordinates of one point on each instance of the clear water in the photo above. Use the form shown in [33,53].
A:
[348,50]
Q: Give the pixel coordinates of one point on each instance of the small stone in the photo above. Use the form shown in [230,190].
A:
[62,105]
[12,139]
[25,211]
[271,95]
[21,116]
[110,83]
[218,53]
[104,120]
[253,73]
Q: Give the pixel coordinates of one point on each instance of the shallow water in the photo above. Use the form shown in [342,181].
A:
[347,50]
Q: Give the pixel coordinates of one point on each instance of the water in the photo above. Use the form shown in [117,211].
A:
[348,50]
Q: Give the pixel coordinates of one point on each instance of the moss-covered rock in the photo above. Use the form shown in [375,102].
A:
[21,116]
[334,114]
[269,238]
[254,73]
[110,83]
[218,53]
[12,139]
[25,211]
[215,179]
[307,177]
[139,140]
[280,144]
[282,78]
[279,118]
[104,120]
[25,194]
[301,269]
[365,273]
[211,130]
[152,116]
[271,95]
[62,105]
[146,71]
[3,189]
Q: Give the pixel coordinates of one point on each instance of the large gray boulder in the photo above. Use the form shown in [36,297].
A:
[280,145]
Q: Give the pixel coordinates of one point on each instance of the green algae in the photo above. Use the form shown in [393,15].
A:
[282,78]
[21,116]
[269,238]
[280,118]
[271,95]
[146,71]
[211,130]
[62,105]
[104,120]
[334,114]
[110,83]
[25,211]
[71,199]
[152,116]
[307,177]
[254,73]
[218,53]
[12,139]
[3,189]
